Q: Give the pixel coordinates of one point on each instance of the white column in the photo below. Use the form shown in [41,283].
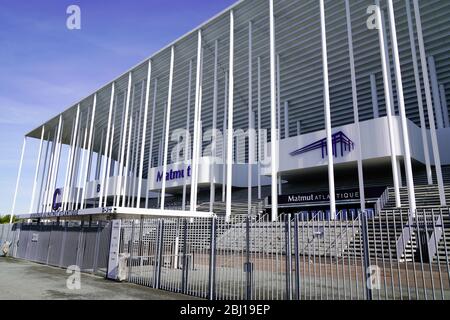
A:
[126,172]
[286,120]
[404,120]
[13,209]
[212,189]
[103,177]
[327,113]
[144,135]
[167,128]
[423,125]
[71,160]
[36,172]
[49,171]
[355,106]
[273,116]
[436,94]
[108,156]
[187,142]
[259,130]
[278,123]
[444,105]
[373,88]
[224,141]
[90,144]
[80,182]
[55,165]
[230,143]
[125,130]
[250,114]
[388,98]
[426,80]
[152,131]
[44,175]
[197,137]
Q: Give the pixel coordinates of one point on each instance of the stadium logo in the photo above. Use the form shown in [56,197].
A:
[338,139]
[56,200]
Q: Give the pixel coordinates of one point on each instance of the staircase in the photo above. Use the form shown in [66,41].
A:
[426,196]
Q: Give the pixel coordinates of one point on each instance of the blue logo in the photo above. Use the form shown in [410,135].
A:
[338,139]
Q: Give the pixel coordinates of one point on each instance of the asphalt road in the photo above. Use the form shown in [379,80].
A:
[23,280]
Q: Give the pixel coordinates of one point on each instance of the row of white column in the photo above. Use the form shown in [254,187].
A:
[82,142]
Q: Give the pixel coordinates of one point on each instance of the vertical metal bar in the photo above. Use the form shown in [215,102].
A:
[230,141]
[436,244]
[401,102]
[273,115]
[36,173]
[327,112]
[90,144]
[389,99]
[297,258]
[426,80]
[212,262]
[288,258]
[167,128]
[126,169]
[366,255]
[278,85]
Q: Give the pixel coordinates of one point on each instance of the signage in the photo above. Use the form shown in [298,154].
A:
[317,197]
[338,139]
[173,175]
[56,204]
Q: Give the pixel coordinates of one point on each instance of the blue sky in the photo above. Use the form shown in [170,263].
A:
[45,68]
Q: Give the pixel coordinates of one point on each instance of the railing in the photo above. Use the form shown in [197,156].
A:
[382,201]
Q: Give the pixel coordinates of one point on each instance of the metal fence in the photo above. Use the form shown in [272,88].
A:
[390,255]
[61,245]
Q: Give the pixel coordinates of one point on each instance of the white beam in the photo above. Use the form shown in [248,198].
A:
[327,113]
[388,100]
[167,128]
[403,117]
[273,115]
[426,81]
[373,89]
[36,172]
[436,95]
[103,177]
[355,106]
[144,134]
[423,124]
[230,143]
[444,105]
[152,131]
[250,114]
[212,188]
[224,141]
[187,142]
[13,209]
[90,144]
[260,145]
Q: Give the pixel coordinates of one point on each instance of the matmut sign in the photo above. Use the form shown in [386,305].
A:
[172,175]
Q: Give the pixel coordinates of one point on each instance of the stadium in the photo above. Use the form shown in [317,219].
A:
[281,150]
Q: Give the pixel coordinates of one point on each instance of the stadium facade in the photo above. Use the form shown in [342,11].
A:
[352,95]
